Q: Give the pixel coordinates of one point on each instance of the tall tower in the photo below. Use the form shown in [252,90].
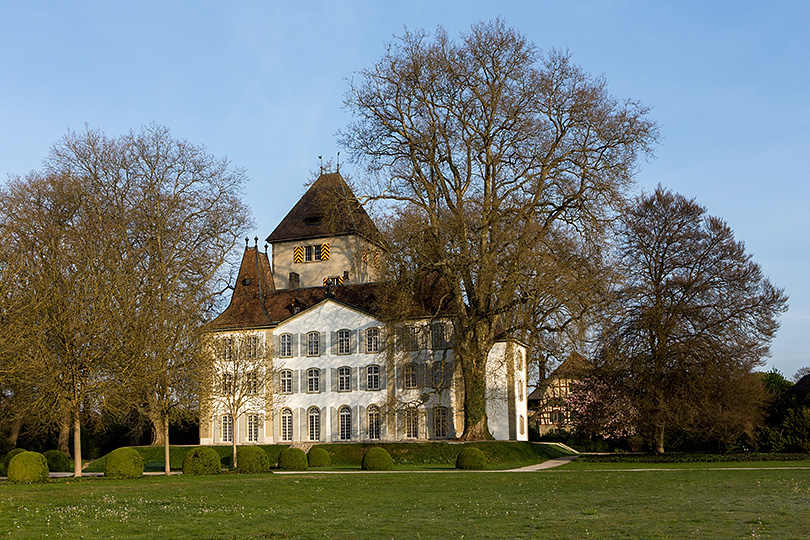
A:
[327,238]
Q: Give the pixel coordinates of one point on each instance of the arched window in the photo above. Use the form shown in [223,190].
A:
[286,425]
[314,416]
[253,427]
[411,423]
[374,423]
[439,422]
[345,421]
[286,381]
[373,377]
[343,342]
[344,379]
[285,345]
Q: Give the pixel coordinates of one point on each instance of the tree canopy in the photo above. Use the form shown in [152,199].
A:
[497,162]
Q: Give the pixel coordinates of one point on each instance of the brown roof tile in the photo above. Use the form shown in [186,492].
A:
[254,282]
[328,208]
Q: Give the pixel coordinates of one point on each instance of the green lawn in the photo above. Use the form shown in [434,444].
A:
[558,503]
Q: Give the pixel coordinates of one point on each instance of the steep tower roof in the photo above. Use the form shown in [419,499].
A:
[253,285]
[328,208]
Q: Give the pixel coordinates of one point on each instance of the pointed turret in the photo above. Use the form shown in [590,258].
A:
[248,306]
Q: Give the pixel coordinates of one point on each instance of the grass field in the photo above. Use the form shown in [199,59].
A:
[562,503]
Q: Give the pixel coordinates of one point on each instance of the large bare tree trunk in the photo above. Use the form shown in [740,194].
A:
[14,432]
[77,443]
[659,439]
[64,435]
[157,420]
[166,464]
[475,406]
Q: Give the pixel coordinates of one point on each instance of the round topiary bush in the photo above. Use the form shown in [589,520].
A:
[377,459]
[471,459]
[201,460]
[28,468]
[252,459]
[318,457]
[123,463]
[11,453]
[58,461]
[292,459]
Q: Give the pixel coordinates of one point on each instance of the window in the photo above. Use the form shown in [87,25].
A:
[520,389]
[286,425]
[285,346]
[438,336]
[345,422]
[409,379]
[440,422]
[441,374]
[374,422]
[411,424]
[314,417]
[313,380]
[227,349]
[373,377]
[317,252]
[227,384]
[409,338]
[286,381]
[308,253]
[343,342]
[227,428]
[344,379]
[372,340]
[252,383]
[252,427]
[313,344]
[253,349]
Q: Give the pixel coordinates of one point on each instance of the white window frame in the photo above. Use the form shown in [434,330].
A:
[440,415]
[313,380]
[308,254]
[313,344]
[438,336]
[374,423]
[285,346]
[373,377]
[227,388]
[253,347]
[253,427]
[410,380]
[252,383]
[314,424]
[372,339]
[286,378]
[344,341]
[345,423]
[344,375]
[286,425]
[227,428]
[411,423]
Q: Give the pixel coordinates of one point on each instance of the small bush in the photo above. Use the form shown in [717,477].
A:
[11,453]
[252,459]
[377,459]
[471,459]
[28,468]
[58,461]
[123,463]
[318,457]
[201,460]
[292,459]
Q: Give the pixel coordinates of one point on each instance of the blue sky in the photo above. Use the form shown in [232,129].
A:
[263,84]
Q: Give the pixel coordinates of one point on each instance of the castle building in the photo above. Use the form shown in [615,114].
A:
[331,369]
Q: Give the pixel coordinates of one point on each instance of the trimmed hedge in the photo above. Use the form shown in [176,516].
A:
[123,463]
[252,459]
[292,459]
[11,453]
[377,459]
[318,457]
[471,459]
[201,460]
[28,468]
[58,461]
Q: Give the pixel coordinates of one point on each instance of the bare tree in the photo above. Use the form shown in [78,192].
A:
[240,373]
[487,152]
[693,316]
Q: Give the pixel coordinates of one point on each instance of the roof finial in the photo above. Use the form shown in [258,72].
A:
[256,242]
[247,240]
[338,162]
[265,248]
[321,158]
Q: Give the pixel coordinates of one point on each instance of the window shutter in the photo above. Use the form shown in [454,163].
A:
[325,252]
[355,423]
[362,423]
[321,342]
[383,378]
[362,341]
[383,425]
[381,339]
[420,375]
[431,372]
[276,346]
[295,378]
[298,254]
[430,428]
[448,375]
[450,333]
[299,425]
[333,373]
[400,377]
[295,344]
[353,385]
[363,382]
[334,424]
[353,341]
[334,343]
